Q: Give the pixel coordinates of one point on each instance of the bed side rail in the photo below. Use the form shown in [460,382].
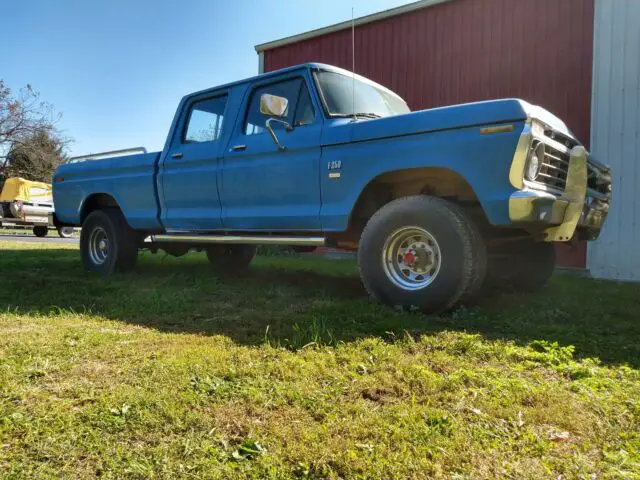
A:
[112,153]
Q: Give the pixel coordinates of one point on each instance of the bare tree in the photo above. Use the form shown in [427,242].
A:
[25,122]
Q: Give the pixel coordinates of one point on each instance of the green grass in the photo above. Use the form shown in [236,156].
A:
[290,372]
[12,230]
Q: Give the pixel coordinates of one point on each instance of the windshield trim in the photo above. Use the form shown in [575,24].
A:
[371,83]
[323,101]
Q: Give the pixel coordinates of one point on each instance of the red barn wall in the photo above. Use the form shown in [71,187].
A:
[470,50]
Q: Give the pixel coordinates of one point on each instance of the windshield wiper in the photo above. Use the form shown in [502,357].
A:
[358,114]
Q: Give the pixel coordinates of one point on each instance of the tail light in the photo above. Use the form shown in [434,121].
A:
[17,208]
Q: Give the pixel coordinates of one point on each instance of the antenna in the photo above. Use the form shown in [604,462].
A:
[353,66]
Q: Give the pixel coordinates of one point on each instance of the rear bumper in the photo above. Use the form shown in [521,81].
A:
[24,214]
[24,223]
[557,218]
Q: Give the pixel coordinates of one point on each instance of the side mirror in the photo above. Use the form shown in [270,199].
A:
[276,108]
[273,105]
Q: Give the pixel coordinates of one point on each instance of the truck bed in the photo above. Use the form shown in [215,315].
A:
[129,179]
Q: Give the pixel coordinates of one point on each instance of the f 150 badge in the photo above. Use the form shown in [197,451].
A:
[334,166]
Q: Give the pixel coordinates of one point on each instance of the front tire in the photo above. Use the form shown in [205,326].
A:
[40,231]
[539,262]
[525,266]
[231,258]
[421,252]
[107,243]
[535,265]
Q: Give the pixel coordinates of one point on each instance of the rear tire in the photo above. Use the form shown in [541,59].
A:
[65,232]
[40,231]
[231,258]
[421,252]
[107,243]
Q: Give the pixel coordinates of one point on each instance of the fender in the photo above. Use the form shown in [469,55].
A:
[95,201]
[476,157]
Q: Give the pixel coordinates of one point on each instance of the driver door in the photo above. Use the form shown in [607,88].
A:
[265,187]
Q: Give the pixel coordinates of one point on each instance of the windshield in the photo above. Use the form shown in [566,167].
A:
[344,97]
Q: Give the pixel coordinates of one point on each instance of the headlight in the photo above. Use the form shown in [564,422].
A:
[534,163]
[537,129]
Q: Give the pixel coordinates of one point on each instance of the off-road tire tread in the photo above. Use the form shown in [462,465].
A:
[479,254]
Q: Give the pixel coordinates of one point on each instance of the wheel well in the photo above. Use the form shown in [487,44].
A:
[97,201]
[439,182]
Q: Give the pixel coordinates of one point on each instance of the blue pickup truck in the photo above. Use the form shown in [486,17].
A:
[438,203]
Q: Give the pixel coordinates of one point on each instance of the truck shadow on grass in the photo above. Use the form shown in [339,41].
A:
[292,302]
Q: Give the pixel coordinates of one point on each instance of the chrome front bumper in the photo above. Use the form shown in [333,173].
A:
[557,217]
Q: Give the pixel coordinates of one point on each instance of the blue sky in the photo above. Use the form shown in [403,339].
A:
[117,69]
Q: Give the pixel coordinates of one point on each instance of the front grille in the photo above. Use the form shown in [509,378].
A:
[555,166]
[560,138]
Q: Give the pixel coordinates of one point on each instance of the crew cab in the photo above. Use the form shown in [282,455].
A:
[437,203]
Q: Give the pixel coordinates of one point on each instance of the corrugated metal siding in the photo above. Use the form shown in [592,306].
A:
[470,50]
[616,135]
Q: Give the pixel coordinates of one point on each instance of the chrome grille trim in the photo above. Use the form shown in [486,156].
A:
[557,158]
[555,165]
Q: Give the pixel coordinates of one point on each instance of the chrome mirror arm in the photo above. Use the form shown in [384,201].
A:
[287,127]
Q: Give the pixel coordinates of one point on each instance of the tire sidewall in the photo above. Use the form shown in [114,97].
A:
[62,232]
[94,220]
[440,223]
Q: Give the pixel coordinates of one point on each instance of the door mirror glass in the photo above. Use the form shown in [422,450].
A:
[273,105]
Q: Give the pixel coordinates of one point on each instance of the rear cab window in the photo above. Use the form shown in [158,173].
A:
[205,120]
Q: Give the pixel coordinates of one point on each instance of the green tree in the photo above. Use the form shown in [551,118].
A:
[35,157]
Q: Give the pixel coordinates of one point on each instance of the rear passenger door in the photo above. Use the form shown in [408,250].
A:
[266,188]
[189,171]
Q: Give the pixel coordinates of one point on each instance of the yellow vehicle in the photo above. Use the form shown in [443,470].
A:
[27,203]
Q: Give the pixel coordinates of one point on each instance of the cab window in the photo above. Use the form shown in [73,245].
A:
[299,108]
[205,120]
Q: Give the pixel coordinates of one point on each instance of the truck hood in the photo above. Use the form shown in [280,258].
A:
[454,117]
[545,116]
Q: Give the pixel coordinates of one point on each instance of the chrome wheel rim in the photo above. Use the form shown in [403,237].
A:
[98,246]
[411,258]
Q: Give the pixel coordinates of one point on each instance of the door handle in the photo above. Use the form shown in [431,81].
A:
[176,155]
[237,148]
